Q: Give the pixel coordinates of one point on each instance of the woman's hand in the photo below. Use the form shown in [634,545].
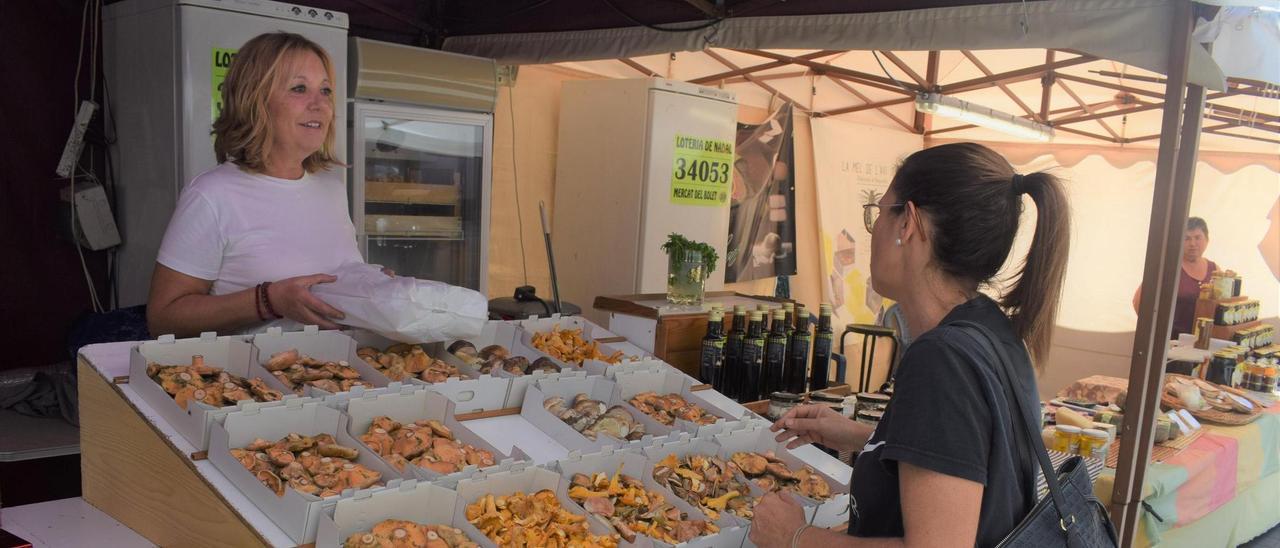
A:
[819,424]
[777,517]
[292,298]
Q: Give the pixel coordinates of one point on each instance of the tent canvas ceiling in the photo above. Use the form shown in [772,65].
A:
[1131,125]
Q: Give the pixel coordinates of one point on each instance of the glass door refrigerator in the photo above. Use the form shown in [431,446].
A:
[421,160]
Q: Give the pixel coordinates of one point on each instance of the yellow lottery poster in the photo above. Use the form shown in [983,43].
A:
[221,62]
[701,171]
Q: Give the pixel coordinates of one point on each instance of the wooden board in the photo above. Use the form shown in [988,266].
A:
[133,473]
[411,193]
[413,226]
[1225,332]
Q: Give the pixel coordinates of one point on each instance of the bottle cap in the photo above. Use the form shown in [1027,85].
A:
[717,316]
[739,309]
[824,308]
[788,306]
[779,314]
[757,315]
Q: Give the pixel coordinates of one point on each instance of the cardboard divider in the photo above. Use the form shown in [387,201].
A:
[610,461]
[755,436]
[596,388]
[485,393]
[435,350]
[324,345]
[409,404]
[233,354]
[521,478]
[412,500]
[297,514]
[664,381]
[596,367]
[684,445]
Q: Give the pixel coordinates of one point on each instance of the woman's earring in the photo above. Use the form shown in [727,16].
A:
[897,241]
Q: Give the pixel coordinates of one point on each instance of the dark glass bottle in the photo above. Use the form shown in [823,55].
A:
[712,349]
[821,349]
[775,355]
[798,353]
[732,372]
[752,359]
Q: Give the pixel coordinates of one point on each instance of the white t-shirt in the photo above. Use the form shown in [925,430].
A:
[240,229]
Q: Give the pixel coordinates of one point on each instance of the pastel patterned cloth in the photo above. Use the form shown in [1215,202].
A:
[1224,462]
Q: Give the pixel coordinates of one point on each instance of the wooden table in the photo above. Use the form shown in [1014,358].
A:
[672,333]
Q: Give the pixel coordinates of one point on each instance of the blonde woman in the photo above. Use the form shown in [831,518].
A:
[252,235]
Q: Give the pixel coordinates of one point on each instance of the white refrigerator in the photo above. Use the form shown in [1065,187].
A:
[164,61]
[638,159]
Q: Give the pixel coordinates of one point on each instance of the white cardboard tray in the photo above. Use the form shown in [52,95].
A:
[631,463]
[522,478]
[682,446]
[325,345]
[597,388]
[435,350]
[232,354]
[417,501]
[296,513]
[669,380]
[755,436]
[409,404]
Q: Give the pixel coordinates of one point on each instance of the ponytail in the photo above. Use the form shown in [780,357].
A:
[973,200]
[1033,301]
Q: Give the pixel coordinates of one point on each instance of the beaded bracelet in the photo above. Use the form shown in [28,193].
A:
[266,300]
[257,302]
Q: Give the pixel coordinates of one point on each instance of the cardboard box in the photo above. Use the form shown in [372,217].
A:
[596,388]
[590,331]
[610,461]
[297,514]
[325,345]
[232,354]
[668,380]
[754,436]
[420,502]
[435,350]
[522,478]
[507,335]
[409,404]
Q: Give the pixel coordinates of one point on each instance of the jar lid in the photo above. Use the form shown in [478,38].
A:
[1068,429]
[872,397]
[785,397]
[870,415]
[1094,433]
[825,397]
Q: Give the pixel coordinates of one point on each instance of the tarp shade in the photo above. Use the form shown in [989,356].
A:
[1128,31]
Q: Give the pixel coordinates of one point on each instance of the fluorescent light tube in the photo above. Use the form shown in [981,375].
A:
[978,115]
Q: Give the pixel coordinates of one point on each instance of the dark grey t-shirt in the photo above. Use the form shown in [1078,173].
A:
[950,414]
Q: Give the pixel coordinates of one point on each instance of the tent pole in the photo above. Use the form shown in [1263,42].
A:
[1175,170]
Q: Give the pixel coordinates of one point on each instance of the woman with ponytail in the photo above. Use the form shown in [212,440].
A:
[946,465]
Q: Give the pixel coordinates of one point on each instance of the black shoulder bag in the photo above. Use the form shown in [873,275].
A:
[1070,516]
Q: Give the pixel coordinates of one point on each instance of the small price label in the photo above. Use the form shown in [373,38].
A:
[701,172]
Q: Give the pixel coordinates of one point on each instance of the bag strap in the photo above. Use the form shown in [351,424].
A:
[1004,369]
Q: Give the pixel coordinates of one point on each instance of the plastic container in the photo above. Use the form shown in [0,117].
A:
[1066,439]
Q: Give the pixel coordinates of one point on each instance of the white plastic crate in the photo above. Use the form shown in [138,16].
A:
[609,461]
[324,345]
[409,404]
[297,514]
[417,501]
[232,354]
[525,479]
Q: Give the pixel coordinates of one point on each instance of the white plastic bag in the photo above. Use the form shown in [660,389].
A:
[403,308]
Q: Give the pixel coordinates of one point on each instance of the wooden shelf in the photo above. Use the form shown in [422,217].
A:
[1225,332]
[411,193]
[413,226]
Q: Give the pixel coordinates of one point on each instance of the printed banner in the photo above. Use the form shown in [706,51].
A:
[700,171]
[762,218]
[853,165]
